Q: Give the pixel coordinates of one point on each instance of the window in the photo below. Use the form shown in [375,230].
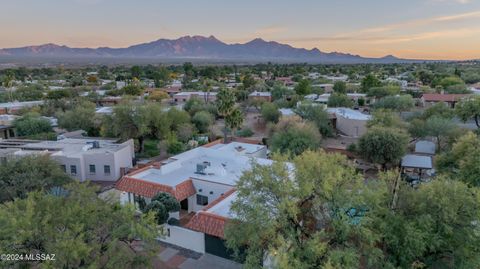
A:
[106,169]
[73,169]
[92,169]
[64,168]
[202,200]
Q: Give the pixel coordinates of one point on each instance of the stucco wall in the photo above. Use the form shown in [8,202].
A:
[184,238]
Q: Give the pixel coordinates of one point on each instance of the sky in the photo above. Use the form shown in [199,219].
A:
[415,29]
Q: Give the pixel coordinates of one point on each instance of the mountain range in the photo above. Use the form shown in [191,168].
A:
[197,48]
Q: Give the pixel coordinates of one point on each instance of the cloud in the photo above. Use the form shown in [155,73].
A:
[421,22]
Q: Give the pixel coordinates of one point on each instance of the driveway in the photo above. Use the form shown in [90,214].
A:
[173,257]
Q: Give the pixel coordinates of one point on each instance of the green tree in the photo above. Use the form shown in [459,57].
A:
[439,109]
[294,136]
[340,87]
[317,115]
[463,160]
[32,124]
[162,204]
[385,118]
[384,146]
[270,112]
[82,230]
[398,103]
[339,100]
[440,128]
[370,81]
[301,218]
[19,176]
[225,106]
[431,226]
[202,120]
[128,121]
[303,87]
[380,92]
[468,109]
[234,120]
[82,117]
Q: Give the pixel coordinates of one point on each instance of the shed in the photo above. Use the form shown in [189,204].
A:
[425,147]
[417,161]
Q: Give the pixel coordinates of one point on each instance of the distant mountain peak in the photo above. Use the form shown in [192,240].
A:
[199,47]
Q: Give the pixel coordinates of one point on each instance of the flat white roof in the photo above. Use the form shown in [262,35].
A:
[348,113]
[224,165]
[194,93]
[20,104]
[255,93]
[223,207]
[417,161]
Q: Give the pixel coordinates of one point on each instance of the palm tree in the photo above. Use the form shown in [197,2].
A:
[225,107]
[234,120]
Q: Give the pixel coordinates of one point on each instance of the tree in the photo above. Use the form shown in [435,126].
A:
[133,89]
[185,132]
[225,106]
[127,121]
[385,118]
[82,117]
[177,117]
[158,96]
[248,81]
[439,109]
[19,176]
[370,81]
[32,124]
[439,128]
[302,217]
[270,112]
[303,87]
[234,120]
[462,162]
[202,120]
[380,92]
[339,100]
[82,230]
[293,136]
[385,146]
[162,204]
[398,103]
[340,87]
[469,108]
[318,116]
[418,233]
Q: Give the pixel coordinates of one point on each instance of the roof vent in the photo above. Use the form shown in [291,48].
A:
[201,168]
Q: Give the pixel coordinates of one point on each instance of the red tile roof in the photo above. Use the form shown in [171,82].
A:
[150,189]
[209,223]
[437,97]
[184,190]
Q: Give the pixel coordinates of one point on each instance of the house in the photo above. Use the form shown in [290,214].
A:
[429,99]
[15,107]
[286,81]
[83,158]
[323,98]
[286,112]
[183,97]
[260,96]
[349,122]
[203,181]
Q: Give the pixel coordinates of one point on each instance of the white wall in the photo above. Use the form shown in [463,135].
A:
[184,238]
[206,188]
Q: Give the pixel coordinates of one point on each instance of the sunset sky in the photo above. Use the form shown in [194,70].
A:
[427,29]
